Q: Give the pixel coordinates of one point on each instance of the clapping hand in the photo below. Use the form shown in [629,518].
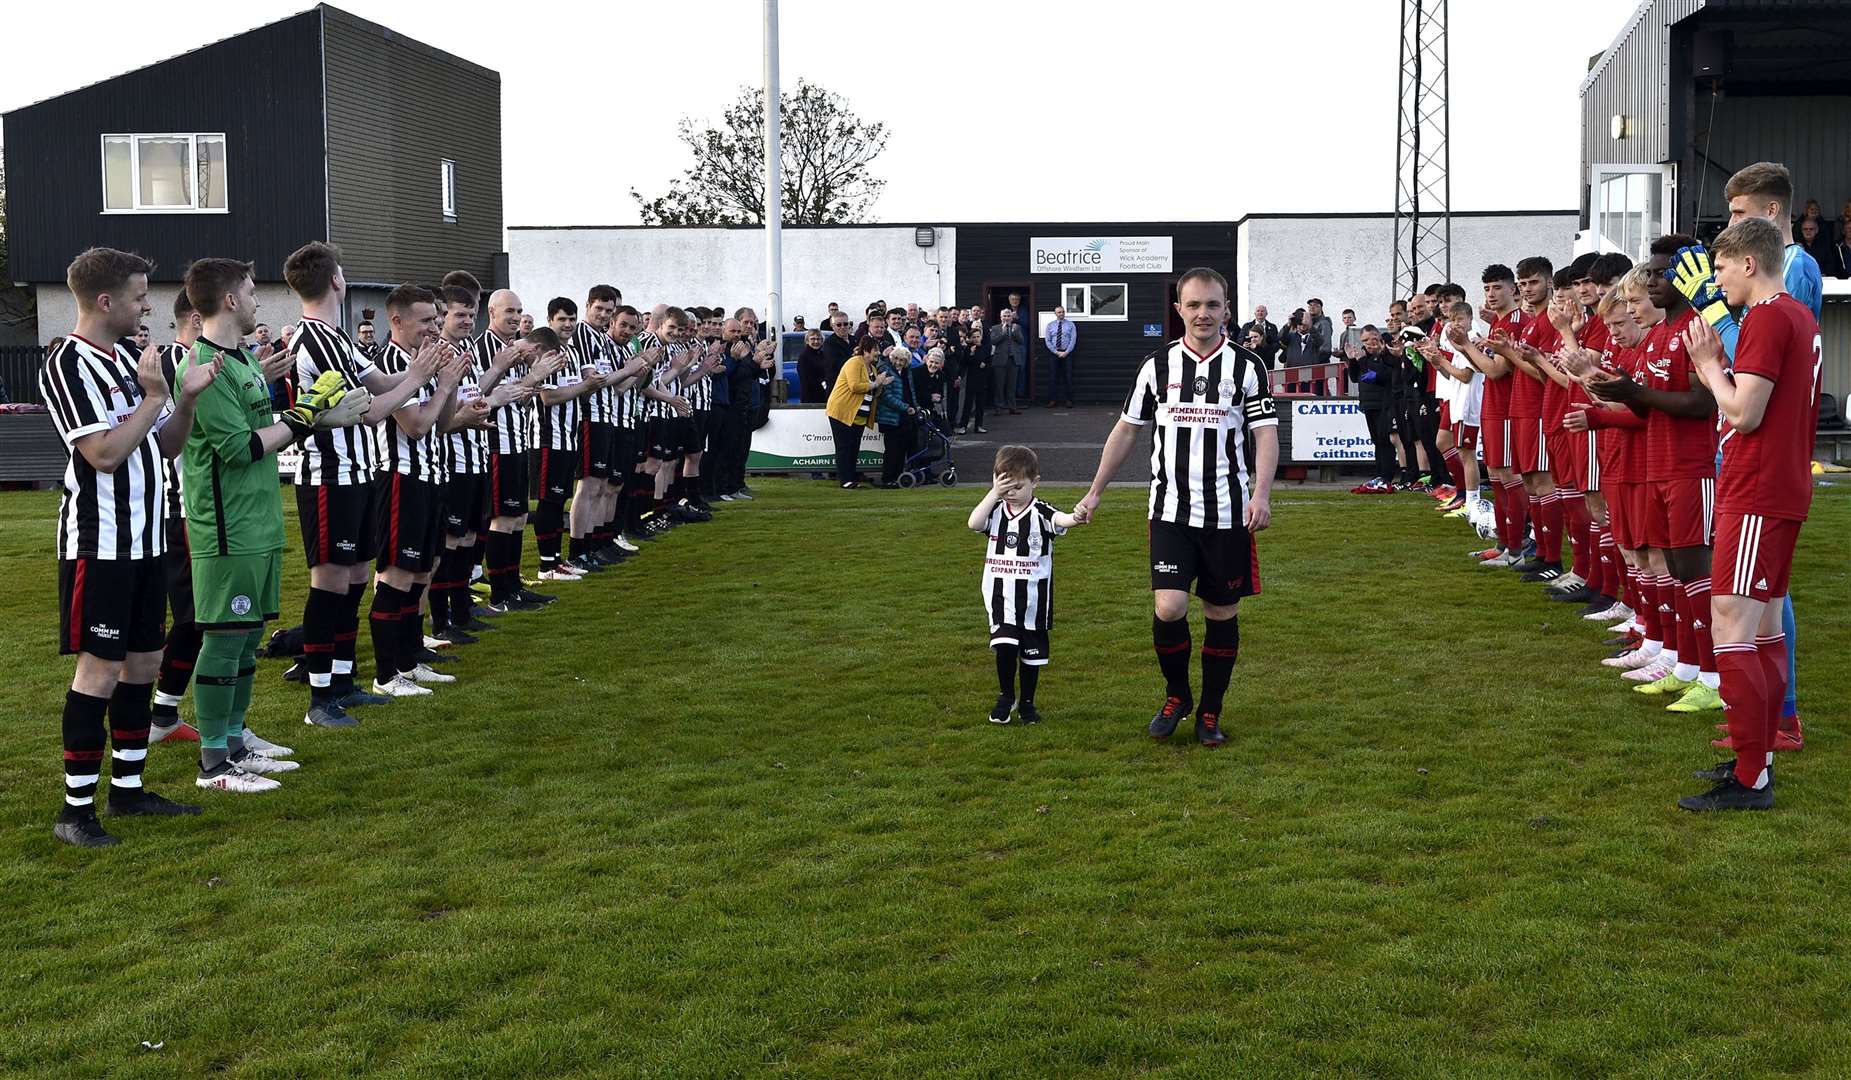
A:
[275,363]
[198,377]
[150,375]
[427,360]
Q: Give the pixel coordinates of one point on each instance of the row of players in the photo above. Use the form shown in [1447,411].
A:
[415,467]
[1632,412]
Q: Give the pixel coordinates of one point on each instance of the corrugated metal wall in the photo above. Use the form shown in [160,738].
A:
[395,109]
[1634,80]
[1810,135]
[262,89]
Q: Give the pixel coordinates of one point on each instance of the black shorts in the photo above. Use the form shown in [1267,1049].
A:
[702,424]
[553,473]
[626,452]
[507,484]
[1223,564]
[409,526]
[464,503]
[179,565]
[1033,643]
[111,607]
[665,436]
[595,441]
[340,522]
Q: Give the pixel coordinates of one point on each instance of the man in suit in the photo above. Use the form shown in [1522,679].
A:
[1060,339]
[1008,352]
[1269,334]
[1027,326]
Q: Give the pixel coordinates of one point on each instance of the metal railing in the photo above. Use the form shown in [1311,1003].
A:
[1311,380]
[19,373]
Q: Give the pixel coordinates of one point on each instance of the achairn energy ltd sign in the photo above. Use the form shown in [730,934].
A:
[1099,255]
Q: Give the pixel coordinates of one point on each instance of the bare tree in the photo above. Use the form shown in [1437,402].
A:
[827,154]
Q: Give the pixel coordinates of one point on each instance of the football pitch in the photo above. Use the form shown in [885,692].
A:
[733,809]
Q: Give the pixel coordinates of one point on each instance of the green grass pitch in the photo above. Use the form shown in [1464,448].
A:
[734,810]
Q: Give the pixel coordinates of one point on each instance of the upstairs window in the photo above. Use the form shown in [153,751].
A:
[172,173]
[446,180]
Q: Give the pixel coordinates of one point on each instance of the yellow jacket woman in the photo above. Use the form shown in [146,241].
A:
[851,407]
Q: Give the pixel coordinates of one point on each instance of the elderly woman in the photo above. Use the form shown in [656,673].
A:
[812,369]
[896,409]
[851,406]
[929,384]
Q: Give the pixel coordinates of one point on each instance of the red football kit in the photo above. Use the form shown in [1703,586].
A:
[1526,399]
[1622,452]
[1494,409]
[1680,451]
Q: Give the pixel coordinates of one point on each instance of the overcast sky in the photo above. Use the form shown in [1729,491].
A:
[1082,111]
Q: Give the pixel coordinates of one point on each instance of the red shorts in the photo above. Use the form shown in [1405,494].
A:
[1561,449]
[1754,555]
[1446,414]
[1465,437]
[1680,512]
[1530,451]
[1497,442]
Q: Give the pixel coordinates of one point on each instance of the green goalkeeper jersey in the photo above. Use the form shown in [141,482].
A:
[234,501]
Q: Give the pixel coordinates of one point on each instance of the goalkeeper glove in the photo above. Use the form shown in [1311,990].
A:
[1690,274]
[326,392]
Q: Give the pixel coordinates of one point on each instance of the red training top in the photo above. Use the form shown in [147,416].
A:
[1768,471]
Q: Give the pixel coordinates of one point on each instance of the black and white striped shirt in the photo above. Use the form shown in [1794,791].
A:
[1018,566]
[593,347]
[340,455]
[663,377]
[699,391]
[627,405]
[466,449]
[172,356]
[555,427]
[511,420]
[90,388]
[1203,406]
[396,452]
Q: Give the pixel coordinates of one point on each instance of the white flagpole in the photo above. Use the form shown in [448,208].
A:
[774,184]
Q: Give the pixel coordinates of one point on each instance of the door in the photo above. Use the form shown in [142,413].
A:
[1630,206]
[995,299]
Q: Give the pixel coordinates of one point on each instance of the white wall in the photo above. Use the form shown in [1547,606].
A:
[727,267]
[276,306]
[1348,261]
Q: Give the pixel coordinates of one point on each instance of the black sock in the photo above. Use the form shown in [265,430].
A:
[83,752]
[177,660]
[1172,642]
[500,554]
[412,626]
[129,717]
[548,521]
[1220,648]
[319,617]
[347,639]
[1005,669]
[1031,674]
[388,612]
[578,546]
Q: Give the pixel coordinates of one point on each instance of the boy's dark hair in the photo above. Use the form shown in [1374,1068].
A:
[602,292]
[402,298]
[544,339]
[460,295]
[1452,290]
[1579,268]
[208,280]
[1671,242]
[100,270]
[462,279]
[309,270]
[625,309]
[558,304]
[1535,266]
[1564,278]
[1497,272]
[183,308]
[1018,461]
[1609,268]
[1348,311]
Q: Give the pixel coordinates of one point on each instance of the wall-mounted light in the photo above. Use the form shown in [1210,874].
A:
[1620,127]
[925,236]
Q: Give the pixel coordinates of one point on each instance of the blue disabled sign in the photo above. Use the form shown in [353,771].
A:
[1152,329]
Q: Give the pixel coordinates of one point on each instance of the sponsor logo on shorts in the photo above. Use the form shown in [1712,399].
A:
[344,545]
[107,633]
[410,553]
[1165,567]
[1762,584]
[240,605]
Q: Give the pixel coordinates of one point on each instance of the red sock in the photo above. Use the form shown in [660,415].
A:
[1686,624]
[1699,593]
[1456,466]
[1610,564]
[1554,521]
[1745,697]
[1773,652]
[1649,612]
[1575,525]
[1515,521]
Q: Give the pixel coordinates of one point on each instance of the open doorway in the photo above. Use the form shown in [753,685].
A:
[995,299]
[1172,322]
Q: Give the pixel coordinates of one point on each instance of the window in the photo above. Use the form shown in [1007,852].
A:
[1629,207]
[164,174]
[446,178]
[1091,302]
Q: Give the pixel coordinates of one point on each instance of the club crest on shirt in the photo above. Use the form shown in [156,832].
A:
[1201,384]
[1009,540]
[1226,389]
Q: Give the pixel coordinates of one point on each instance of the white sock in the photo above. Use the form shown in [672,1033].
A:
[1686,672]
[1710,679]
[1669,656]
[1651,648]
